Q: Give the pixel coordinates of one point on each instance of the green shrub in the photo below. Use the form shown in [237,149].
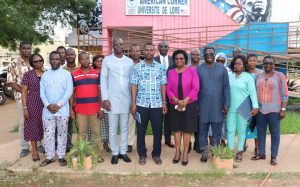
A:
[223,152]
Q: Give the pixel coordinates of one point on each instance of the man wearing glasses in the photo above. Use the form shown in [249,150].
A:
[213,100]
[168,63]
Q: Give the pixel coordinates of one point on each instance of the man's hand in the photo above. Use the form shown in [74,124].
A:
[133,109]
[56,107]
[100,114]
[165,109]
[225,110]
[254,111]
[107,105]
[51,108]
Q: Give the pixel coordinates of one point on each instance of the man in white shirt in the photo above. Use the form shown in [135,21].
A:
[115,91]
[167,61]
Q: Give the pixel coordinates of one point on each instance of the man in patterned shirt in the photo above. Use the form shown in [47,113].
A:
[148,94]
[16,70]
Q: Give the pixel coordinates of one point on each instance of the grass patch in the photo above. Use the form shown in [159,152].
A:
[15,129]
[291,123]
[293,100]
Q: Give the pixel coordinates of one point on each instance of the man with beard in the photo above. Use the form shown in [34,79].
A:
[115,92]
[148,94]
[213,100]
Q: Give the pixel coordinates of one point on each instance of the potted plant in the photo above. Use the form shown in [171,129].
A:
[82,156]
[223,157]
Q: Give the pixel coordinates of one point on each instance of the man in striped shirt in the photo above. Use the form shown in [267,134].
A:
[87,108]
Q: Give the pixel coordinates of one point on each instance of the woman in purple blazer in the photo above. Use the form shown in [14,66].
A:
[182,90]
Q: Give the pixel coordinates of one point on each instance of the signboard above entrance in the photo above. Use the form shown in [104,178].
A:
[158,7]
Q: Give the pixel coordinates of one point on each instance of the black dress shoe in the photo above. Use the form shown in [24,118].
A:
[142,160]
[62,162]
[273,161]
[24,152]
[129,148]
[204,157]
[170,144]
[47,162]
[41,149]
[157,160]
[114,159]
[125,158]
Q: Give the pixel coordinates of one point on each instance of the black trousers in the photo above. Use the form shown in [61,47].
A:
[156,117]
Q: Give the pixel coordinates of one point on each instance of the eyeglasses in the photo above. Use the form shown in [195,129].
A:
[238,64]
[163,46]
[179,58]
[209,54]
[268,63]
[222,61]
[37,61]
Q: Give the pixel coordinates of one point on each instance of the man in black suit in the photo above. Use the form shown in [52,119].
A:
[167,61]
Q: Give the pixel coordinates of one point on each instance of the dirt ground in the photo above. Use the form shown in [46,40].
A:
[188,179]
[107,175]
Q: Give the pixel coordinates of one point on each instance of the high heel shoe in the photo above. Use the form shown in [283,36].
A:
[184,163]
[176,161]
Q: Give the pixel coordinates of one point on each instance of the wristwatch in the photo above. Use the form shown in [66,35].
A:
[283,109]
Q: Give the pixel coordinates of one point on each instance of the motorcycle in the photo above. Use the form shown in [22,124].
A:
[2,86]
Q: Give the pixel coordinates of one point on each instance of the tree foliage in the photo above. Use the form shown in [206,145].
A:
[34,20]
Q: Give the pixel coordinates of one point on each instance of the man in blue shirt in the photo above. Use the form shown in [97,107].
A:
[56,88]
[148,94]
[213,100]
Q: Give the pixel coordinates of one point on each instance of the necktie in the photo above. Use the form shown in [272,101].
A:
[164,62]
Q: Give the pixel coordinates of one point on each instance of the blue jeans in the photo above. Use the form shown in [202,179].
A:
[203,133]
[273,120]
[156,117]
[116,120]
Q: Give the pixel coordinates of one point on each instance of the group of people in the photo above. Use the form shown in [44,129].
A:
[118,92]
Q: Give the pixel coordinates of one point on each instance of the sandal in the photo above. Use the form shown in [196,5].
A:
[47,162]
[62,162]
[258,157]
[239,156]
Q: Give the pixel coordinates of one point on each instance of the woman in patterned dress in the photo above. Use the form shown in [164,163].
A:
[32,104]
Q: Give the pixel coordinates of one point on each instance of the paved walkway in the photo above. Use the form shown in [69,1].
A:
[9,149]
[289,146]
